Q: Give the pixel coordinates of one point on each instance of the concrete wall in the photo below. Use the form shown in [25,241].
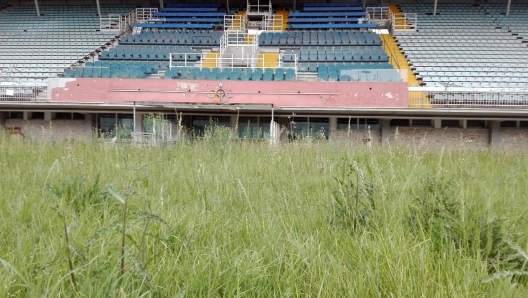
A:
[514,139]
[356,137]
[280,94]
[54,130]
[449,138]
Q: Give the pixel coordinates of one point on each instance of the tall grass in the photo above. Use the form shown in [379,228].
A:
[216,218]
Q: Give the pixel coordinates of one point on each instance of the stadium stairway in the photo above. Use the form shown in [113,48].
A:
[237,24]
[210,59]
[398,15]
[249,38]
[267,60]
[399,62]
[284,14]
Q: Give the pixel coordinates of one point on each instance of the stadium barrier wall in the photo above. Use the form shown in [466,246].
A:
[287,93]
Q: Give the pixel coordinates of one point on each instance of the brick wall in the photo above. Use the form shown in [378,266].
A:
[56,130]
[449,138]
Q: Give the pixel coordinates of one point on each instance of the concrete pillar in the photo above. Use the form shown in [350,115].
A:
[234,119]
[139,123]
[494,134]
[463,123]
[26,115]
[437,123]
[48,116]
[90,122]
[385,132]
[333,123]
[3,117]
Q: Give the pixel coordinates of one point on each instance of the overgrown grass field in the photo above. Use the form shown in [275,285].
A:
[219,218]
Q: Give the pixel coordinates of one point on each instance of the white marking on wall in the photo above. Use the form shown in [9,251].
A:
[188,86]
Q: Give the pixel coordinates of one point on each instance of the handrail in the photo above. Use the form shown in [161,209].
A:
[408,21]
[142,14]
[116,22]
[186,55]
[254,45]
[377,12]
[234,23]
[270,20]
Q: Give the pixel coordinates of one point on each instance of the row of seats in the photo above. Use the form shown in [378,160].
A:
[501,81]
[185,16]
[340,16]
[318,38]
[153,54]
[60,37]
[106,69]
[173,38]
[462,46]
[478,85]
[314,67]
[348,55]
[247,74]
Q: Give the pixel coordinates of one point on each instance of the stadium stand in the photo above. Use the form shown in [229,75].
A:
[465,45]
[191,47]
[34,48]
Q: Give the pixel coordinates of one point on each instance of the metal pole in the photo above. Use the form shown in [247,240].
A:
[37,7]
[98,7]
[227,6]
[161,4]
[508,7]
[134,125]
[434,8]
[364,4]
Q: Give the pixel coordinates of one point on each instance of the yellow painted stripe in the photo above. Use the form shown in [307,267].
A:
[268,60]
[399,24]
[210,59]
[399,62]
[284,14]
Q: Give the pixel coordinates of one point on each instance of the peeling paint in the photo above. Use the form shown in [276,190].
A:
[389,95]
[188,86]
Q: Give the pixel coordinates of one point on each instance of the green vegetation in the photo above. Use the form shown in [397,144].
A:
[222,218]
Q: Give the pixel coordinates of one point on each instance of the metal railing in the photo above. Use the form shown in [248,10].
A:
[259,8]
[405,22]
[272,23]
[378,13]
[143,14]
[230,62]
[109,21]
[393,58]
[234,23]
[420,97]
[238,39]
[116,22]
[18,92]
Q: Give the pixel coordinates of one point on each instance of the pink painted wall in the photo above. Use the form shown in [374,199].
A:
[293,94]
